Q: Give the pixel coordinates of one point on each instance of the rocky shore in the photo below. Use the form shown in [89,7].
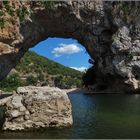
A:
[72,90]
[37,107]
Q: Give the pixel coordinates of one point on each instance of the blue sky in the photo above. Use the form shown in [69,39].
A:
[67,52]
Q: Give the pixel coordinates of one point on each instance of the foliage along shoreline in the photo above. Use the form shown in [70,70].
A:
[36,70]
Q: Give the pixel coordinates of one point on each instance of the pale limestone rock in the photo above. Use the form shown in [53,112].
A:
[15,113]
[5,100]
[37,107]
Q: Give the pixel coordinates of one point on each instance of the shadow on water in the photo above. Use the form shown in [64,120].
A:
[96,116]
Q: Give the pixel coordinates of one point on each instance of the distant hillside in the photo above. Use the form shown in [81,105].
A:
[40,71]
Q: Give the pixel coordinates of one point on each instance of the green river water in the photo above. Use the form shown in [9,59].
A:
[96,116]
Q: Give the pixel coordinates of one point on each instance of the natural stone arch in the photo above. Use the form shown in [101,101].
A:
[106,32]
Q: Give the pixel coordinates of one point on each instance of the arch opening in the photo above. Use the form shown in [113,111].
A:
[55,62]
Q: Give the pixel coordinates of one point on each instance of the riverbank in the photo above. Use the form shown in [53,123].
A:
[88,91]
[73,90]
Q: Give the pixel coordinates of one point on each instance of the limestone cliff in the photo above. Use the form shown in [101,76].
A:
[109,31]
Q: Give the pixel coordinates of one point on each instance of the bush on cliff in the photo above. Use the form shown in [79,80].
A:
[11,82]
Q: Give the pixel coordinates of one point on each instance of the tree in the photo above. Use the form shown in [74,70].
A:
[11,82]
[31,80]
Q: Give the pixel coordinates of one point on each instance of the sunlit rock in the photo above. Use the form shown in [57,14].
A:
[37,107]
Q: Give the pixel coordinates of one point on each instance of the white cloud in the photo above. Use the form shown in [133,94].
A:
[66,49]
[82,69]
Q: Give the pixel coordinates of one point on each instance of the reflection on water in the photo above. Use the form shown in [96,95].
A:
[97,116]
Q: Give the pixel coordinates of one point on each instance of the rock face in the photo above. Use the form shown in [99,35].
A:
[37,107]
[109,31]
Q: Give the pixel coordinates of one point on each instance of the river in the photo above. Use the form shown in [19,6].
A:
[96,116]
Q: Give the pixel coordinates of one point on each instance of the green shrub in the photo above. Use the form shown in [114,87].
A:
[11,82]
[2,22]
[10,11]
[1,13]
[21,13]
[6,2]
[31,80]
[8,8]
[40,77]
[49,4]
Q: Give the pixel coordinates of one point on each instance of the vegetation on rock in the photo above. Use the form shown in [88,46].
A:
[21,13]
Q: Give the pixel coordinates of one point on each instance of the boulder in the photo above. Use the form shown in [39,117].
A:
[37,107]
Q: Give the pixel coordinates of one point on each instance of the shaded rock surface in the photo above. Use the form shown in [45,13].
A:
[109,30]
[37,107]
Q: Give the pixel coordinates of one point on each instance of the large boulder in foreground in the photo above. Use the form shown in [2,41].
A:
[37,107]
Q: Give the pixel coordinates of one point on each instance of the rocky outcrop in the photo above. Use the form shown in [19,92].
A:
[37,107]
[109,30]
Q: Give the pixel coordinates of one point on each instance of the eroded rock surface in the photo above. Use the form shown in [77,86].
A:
[37,107]
[109,30]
